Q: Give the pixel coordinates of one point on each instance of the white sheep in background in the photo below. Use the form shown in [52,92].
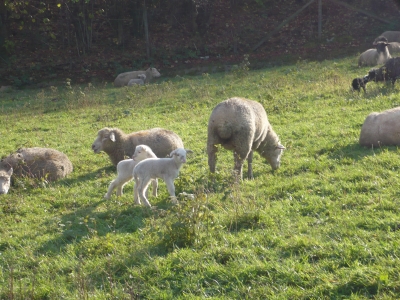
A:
[124,78]
[373,57]
[139,81]
[241,125]
[125,170]
[46,163]
[153,168]
[391,36]
[5,180]
[117,144]
[381,129]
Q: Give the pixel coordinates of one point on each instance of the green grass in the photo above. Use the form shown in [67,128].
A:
[323,226]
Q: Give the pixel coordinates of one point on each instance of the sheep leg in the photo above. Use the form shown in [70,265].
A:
[136,197]
[250,165]
[112,186]
[212,157]
[143,185]
[238,164]
[155,185]
[171,189]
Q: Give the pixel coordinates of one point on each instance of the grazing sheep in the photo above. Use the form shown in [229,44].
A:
[38,162]
[381,129]
[393,47]
[124,78]
[5,180]
[140,80]
[358,83]
[117,144]
[391,36]
[389,71]
[153,168]
[373,57]
[242,125]
[125,170]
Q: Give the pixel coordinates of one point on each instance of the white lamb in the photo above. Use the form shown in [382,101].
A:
[139,81]
[125,170]
[5,180]
[164,168]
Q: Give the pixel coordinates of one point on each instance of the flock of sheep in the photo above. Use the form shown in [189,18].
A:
[237,124]
[381,128]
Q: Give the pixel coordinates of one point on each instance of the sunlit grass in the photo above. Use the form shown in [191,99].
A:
[324,225]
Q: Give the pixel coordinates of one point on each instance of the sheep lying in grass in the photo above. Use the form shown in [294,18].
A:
[389,71]
[46,163]
[241,125]
[391,36]
[153,168]
[373,57]
[5,180]
[358,83]
[125,170]
[393,47]
[117,144]
[381,129]
[124,78]
[138,81]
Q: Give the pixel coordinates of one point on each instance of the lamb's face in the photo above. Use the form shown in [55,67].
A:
[142,76]
[273,156]
[141,152]
[5,180]
[179,155]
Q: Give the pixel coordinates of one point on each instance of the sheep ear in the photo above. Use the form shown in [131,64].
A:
[279,146]
[172,153]
[112,136]
[188,151]
[10,171]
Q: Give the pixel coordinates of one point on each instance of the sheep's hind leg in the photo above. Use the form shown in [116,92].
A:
[142,192]
[212,157]
[155,186]
[250,165]
[238,164]
[110,189]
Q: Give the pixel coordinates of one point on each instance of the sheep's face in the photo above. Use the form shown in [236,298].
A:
[381,47]
[143,76]
[104,137]
[154,72]
[273,156]
[5,180]
[179,154]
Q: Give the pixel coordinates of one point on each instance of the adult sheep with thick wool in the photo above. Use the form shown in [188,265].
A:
[373,57]
[124,78]
[381,129]
[152,168]
[37,162]
[393,47]
[125,170]
[241,125]
[118,144]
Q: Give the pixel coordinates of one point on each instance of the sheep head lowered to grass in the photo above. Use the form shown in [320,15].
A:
[241,125]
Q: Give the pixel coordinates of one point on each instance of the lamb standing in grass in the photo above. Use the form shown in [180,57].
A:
[5,180]
[389,71]
[242,125]
[117,144]
[153,168]
[139,81]
[125,170]
[381,129]
[124,78]
[46,163]
[373,57]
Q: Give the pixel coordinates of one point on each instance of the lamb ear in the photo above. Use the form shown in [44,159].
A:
[279,146]
[172,153]
[10,171]
[188,151]
[112,136]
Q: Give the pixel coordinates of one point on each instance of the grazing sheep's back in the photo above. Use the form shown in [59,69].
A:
[242,125]
[38,162]
[381,129]
[117,144]
[124,78]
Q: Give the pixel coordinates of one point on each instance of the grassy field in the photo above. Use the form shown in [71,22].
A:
[323,226]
